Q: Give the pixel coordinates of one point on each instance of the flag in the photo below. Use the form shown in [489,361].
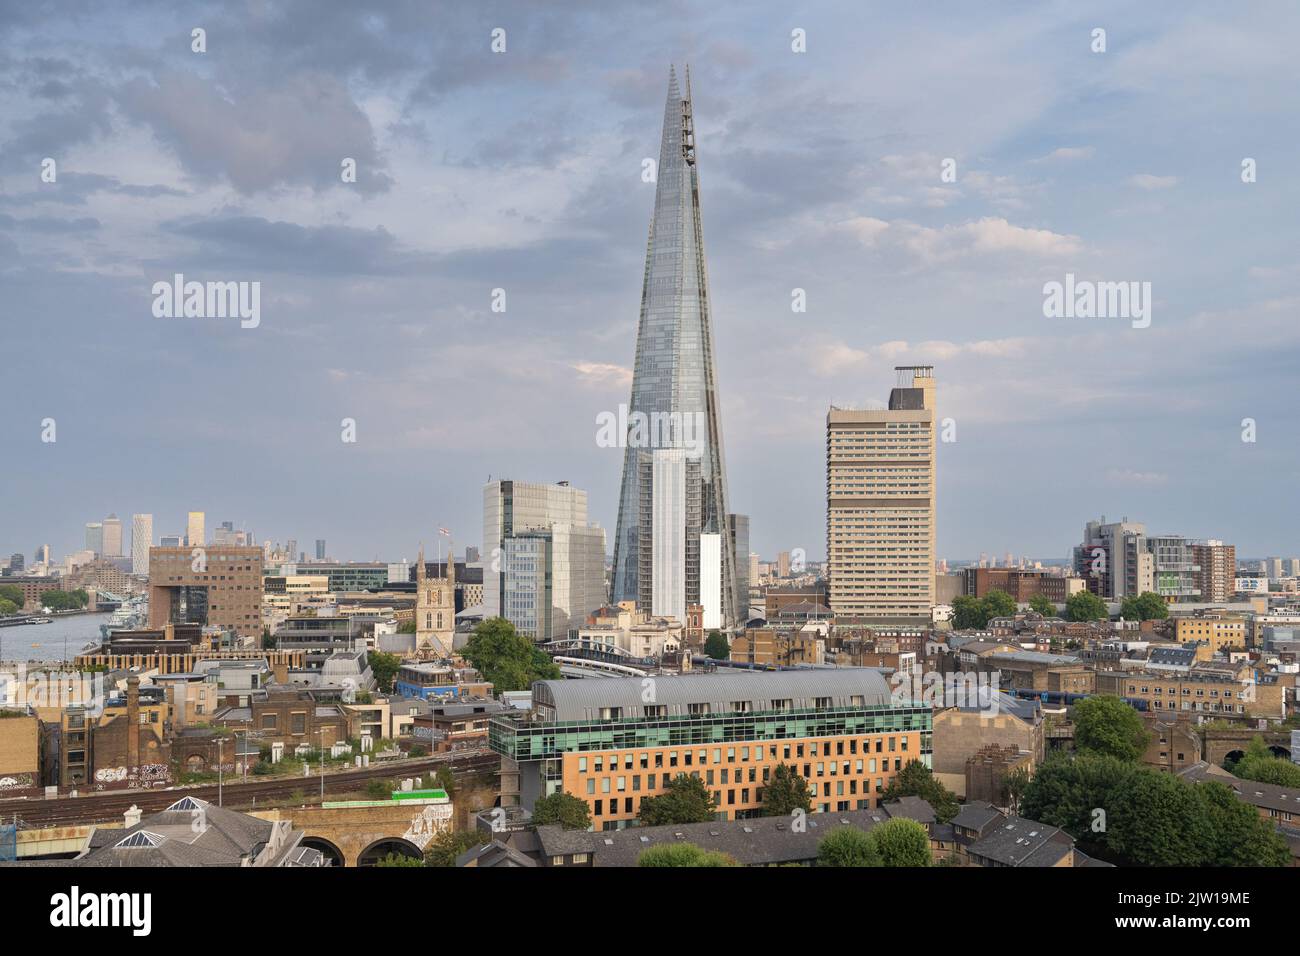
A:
[446,533]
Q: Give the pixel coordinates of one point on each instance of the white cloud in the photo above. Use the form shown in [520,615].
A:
[1151,181]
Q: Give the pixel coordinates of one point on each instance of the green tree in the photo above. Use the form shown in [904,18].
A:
[1239,835]
[847,846]
[11,592]
[1041,604]
[384,666]
[1017,782]
[1066,792]
[7,606]
[968,613]
[380,789]
[59,600]
[917,780]
[406,627]
[1156,819]
[717,647]
[399,859]
[686,800]
[785,792]
[568,811]
[1147,606]
[683,854]
[507,658]
[1259,764]
[446,846]
[999,604]
[1085,606]
[901,842]
[1107,725]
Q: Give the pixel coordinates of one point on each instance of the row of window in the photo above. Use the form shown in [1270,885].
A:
[597,763]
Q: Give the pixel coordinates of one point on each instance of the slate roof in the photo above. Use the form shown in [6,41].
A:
[1021,842]
[976,815]
[913,808]
[171,838]
[759,842]
[1266,795]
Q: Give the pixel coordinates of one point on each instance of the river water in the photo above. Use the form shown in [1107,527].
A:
[60,640]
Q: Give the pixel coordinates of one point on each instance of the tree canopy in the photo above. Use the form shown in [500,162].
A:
[384,666]
[1041,604]
[847,846]
[917,780]
[686,800]
[1260,764]
[564,809]
[716,647]
[683,854]
[1085,606]
[1137,816]
[972,613]
[1107,725]
[785,792]
[507,658]
[1147,606]
[901,842]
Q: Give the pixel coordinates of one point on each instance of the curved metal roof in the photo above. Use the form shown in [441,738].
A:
[564,700]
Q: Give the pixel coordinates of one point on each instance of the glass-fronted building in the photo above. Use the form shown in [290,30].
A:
[674,403]
[612,742]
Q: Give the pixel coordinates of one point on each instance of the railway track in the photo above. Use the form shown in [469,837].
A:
[110,806]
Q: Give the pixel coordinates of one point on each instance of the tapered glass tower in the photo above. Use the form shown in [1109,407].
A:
[674,481]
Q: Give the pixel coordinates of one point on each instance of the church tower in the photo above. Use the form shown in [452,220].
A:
[435,609]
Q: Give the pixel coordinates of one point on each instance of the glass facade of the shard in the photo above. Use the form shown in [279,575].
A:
[674,403]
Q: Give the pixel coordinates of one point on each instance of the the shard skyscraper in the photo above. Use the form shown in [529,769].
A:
[673,547]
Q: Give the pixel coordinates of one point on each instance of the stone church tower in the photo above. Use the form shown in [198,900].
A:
[435,609]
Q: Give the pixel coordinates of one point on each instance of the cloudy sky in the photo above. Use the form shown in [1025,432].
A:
[521,170]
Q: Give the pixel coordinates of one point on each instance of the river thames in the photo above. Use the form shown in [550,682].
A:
[60,640]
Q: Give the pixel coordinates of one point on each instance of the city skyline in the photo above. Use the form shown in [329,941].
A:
[1067,162]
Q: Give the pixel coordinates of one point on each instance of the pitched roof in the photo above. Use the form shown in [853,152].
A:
[976,815]
[912,808]
[1021,842]
[190,832]
[758,842]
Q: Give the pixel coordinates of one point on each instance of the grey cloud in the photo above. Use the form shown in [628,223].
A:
[295,132]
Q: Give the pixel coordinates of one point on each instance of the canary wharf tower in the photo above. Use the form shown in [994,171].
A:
[673,548]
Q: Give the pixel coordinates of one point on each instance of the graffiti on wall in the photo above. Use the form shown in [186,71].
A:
[428,823]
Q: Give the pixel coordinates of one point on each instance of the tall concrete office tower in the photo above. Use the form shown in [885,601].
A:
[195,535]
[674,485]
[95,537]
[141,542]
[880,524]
